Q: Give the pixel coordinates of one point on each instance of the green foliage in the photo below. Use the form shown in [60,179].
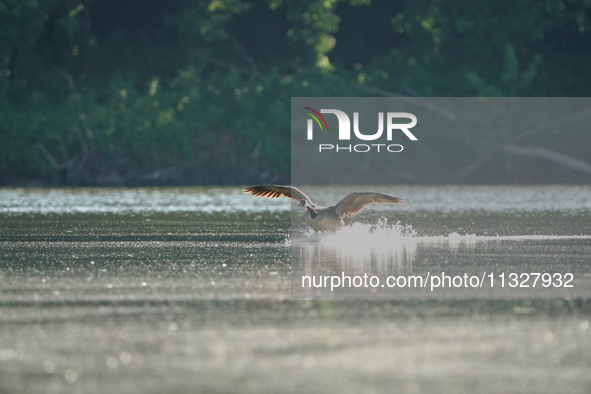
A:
[120,91]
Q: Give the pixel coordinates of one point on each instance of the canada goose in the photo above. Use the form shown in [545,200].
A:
[324,218]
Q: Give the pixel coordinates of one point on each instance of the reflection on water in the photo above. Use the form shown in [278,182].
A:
[384,251]
[359,248]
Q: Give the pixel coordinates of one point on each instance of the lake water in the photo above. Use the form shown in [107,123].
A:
[188,290]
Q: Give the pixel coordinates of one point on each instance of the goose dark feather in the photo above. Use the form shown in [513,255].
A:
[324,218]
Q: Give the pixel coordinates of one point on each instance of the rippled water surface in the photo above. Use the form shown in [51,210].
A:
[443,199]
[188,290]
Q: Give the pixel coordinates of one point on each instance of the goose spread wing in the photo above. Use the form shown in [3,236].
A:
[355,202]
[276,191]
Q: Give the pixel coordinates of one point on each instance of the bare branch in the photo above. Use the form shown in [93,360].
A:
[253,69]
[85,151]
[411,100]
[486,156]
[222,64]
[557,157]
[52,161]
[253,66]
[81,114]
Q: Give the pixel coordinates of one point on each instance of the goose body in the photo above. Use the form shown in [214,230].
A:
[324,218]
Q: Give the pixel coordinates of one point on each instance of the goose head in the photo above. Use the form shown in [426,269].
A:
[304,203]
[311,208]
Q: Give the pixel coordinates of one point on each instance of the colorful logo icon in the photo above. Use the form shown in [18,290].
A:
[316,117]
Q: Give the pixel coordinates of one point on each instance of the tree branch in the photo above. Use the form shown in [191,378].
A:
[253,69]
[557,157]
[489,154]
[52,161]
[253,66]
[411,100]
[81,114]
[222,64]
[85,151]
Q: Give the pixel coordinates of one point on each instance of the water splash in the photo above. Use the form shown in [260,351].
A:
[359,247]
[371,234]
[386,249]
[361,233]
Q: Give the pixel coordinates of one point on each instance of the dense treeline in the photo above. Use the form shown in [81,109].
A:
[96,92]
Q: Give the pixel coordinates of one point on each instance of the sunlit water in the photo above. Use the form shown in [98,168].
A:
[444,199]
[383,250]
[188,290]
